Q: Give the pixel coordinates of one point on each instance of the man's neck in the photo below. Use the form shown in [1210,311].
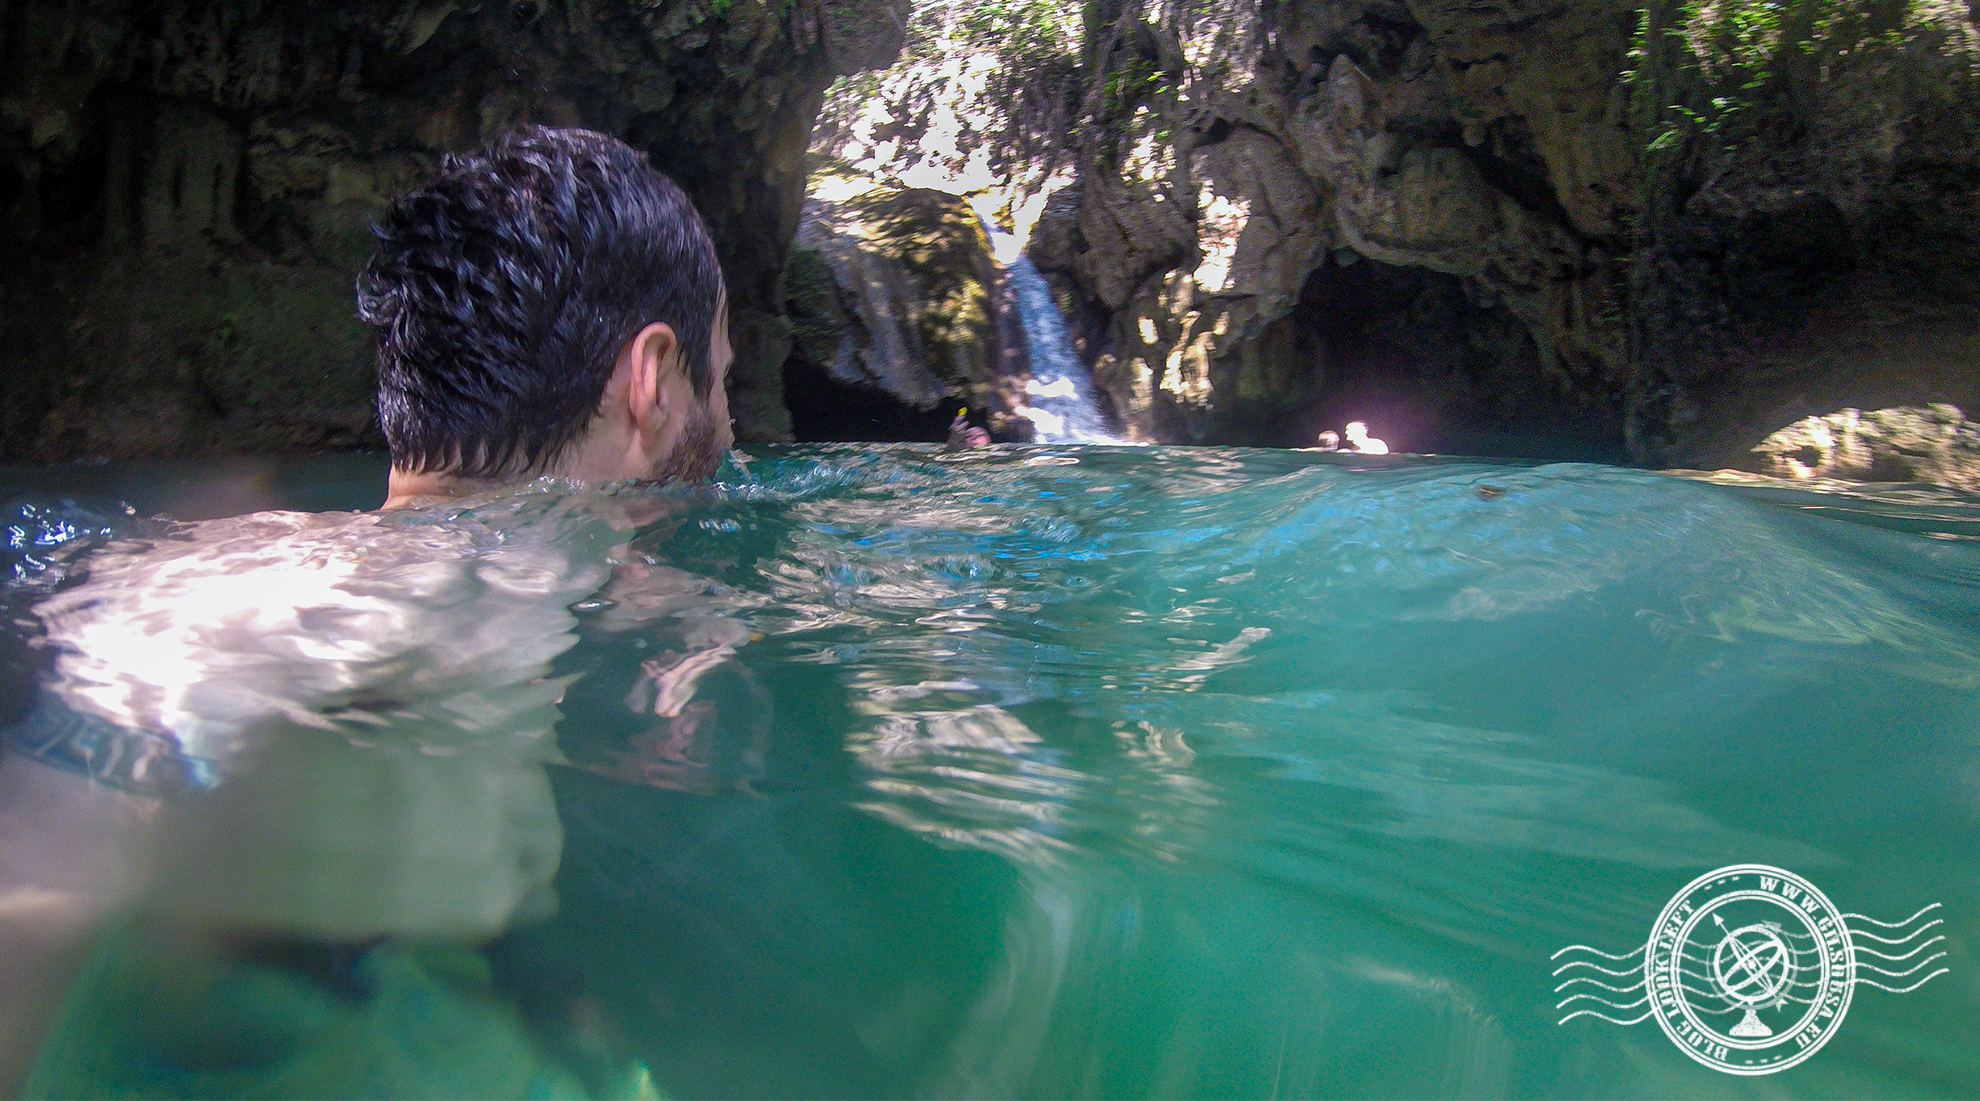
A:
[406,488]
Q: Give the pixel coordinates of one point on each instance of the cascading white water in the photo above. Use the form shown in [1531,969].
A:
[1059,398]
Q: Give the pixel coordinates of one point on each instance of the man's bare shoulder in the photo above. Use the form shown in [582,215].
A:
[219,625]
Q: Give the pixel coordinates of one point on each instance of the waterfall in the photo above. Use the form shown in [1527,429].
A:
[1059,398]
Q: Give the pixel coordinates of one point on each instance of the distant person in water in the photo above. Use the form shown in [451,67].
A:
[1359,439]
[964,434]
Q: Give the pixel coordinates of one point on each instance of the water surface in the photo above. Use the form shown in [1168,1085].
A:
[1082,770]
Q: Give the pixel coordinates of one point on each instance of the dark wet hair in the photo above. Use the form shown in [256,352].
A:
[503,289]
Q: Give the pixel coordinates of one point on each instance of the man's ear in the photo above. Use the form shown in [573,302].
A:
[652,353]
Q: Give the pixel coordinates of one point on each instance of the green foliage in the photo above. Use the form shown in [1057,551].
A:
[1024,105]
[1130,85]
[1712,77]
[1036,46]
[1021,31]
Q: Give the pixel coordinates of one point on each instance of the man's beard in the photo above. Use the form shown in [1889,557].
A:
[697,453]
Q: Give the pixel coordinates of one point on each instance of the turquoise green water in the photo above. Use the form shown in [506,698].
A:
[1121,772]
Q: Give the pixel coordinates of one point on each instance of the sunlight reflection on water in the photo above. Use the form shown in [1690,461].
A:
[1056,770]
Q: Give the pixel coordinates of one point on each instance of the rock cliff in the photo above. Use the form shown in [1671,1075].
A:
[1934,444]
[897,311]
[187,186]
[1573,227]
[1580,228]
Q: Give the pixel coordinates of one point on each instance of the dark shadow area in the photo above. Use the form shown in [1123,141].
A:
[824,410]
[1432,368]
[206,489]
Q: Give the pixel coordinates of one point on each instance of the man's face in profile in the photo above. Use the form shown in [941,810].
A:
[707,433]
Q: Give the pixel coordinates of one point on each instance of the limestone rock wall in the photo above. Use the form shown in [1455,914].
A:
[185,188]
[1459,221]
[912,282]
[1811,239]
[1933,444]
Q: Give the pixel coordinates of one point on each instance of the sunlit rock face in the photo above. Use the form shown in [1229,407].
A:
[894,297]
[1558,267]
[187,187]
[1246,158]
[1934,443]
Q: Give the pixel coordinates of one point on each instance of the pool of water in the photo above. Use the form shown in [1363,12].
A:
[1047,771]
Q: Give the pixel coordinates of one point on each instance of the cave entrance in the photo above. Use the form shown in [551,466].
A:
[825,410]
[1434,365]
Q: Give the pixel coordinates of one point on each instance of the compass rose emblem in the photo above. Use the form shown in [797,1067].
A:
[1749,969]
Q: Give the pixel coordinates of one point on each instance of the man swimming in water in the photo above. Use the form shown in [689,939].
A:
[964,434]
[342,719]
[548,306]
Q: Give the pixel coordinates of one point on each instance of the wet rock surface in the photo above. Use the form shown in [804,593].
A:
[1934,443]
[893,295]
[187,187]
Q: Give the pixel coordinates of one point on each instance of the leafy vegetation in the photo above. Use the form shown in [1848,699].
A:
[1717,79]
[1038,32]
[1004,73]
[1131,84]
